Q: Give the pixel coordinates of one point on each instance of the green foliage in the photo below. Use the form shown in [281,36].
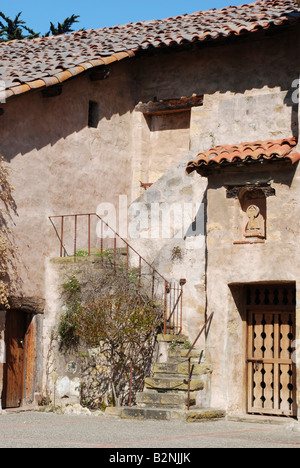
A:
[187,345]
[16,29]
[106,254]
[72,285]
[82,253]
[66,328]
[62,28]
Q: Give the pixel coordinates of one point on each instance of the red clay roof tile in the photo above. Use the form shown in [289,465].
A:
[245,152]
[25,61]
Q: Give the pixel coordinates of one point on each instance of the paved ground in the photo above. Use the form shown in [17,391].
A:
[48,430]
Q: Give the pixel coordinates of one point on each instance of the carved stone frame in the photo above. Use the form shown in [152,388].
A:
[251,198]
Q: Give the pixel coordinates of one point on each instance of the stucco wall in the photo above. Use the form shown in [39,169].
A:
[274,260]
[244,100]
[223,119]
[60,166]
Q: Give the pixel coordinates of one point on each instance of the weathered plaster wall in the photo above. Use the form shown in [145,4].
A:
[162,229]
[222,119]
[247,102]
[274,260]
[244,100]
[160,141]
[60,166]
[248,69]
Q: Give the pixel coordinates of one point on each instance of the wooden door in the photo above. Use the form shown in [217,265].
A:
[15,335]
[271,370]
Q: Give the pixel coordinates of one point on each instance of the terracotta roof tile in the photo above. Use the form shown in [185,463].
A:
[28,60]
[245,152]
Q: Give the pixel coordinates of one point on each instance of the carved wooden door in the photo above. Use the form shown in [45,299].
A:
[270,353]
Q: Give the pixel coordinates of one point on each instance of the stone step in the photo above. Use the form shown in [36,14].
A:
[184,361]
[165,400]
[181,368]
[193,415]
[173,383]
[169,338]
[181,353]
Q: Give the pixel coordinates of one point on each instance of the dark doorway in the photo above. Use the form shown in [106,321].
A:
[17,323]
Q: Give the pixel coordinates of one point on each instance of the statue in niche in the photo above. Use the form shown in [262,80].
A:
[253,227]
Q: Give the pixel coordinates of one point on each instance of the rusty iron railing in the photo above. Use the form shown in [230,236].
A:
[188,356]
[72,240]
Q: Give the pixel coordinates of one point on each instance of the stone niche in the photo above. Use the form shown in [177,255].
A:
[253,211]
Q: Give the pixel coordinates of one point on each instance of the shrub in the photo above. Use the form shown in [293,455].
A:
[6,247]
[106,328]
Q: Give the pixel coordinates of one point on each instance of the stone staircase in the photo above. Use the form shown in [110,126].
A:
[165,395]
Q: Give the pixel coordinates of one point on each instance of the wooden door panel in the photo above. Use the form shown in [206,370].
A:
[14,369]
[271,370]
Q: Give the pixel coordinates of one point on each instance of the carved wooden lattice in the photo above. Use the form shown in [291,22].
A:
[271,367]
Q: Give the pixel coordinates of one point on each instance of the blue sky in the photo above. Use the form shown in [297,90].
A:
[98,13]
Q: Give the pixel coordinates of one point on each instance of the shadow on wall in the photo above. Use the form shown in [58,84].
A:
[239,65]
[158,123]
[292,100]
[33,121]
[235,66]
[196,232]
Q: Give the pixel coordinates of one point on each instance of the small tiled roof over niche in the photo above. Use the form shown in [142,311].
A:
[46,61]
[258,151]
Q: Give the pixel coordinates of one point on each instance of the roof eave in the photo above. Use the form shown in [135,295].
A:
[213,167]
[62,76]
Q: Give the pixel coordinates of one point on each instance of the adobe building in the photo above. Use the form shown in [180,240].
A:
[202,111]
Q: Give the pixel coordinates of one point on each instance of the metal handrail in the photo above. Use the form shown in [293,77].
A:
[89,238]
[188,357]
[170,289]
